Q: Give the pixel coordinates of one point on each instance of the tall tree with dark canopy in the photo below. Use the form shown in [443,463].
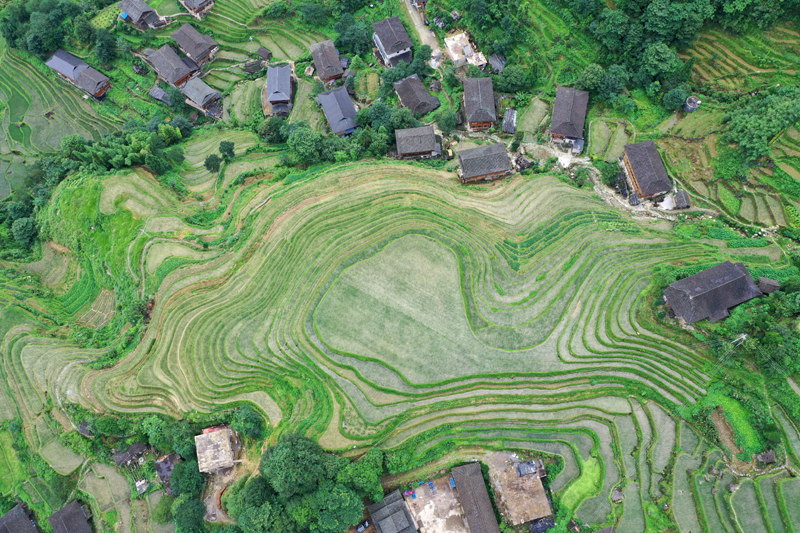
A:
[293,466]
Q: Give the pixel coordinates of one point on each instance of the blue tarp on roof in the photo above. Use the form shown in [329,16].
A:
[123,15]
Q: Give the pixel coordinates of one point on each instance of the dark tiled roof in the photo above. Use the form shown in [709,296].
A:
[136,9]
[165,465]
[488,159]
[475,499]
[415,140]
[682,200]
[279,83]
[510,121]
[391,515]
[649,169]
[160,94]
[710,293]
[168,64]
[194,43]
[66,64]
[251,67]
[767,457]
[91,80]
[569,112]
[768,286]
[407,57]
[264,53]
[338,109]
[479,100]
[392,35]
[197,5]
[134,451]
[16,521]
[326,60]
[70,519]
[199,92]
[413,95]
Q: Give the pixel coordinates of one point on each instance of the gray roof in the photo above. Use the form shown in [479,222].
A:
[279,83]
[475,499]
[392,35]
[479,100]
[165,465]
[510,121]
[415,140]
[415,96]
[326,60]
[168,64]
[91,80]
[710,293]
[648,168]
[199,92]
[197,4]
[70,519]
[338,109]
[525,469]
[194,43]
[132,452]
[487,159]
[768,286]
[160,94]
[569,112]
[264,53]
[66,64]
[498,63]
[136,9]
[17,521]
[682,200]
[767,457]
[391,515]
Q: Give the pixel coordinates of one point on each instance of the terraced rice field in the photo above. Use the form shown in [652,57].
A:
[31,94]
[745,61]
[384,304]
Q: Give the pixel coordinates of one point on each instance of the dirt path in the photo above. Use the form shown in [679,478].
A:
[728,439]
[424,32]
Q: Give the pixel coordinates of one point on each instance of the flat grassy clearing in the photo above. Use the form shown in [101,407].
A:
[599,137]
[60,458]
[11,471]
[304,106]
[161,251]
[616,147]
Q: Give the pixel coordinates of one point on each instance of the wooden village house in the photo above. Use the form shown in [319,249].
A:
[415,96]
[198,47]
[711,293]
[140,15]
[569,117]
[392,41]
[79,73]
[474,498]
[17,520]
[278,91]
[326,61]
[339,111]
[486,162]
[415,143]
[198,8]
[202,97]
[72,518]
[479,108]
[645,170]
[169,66]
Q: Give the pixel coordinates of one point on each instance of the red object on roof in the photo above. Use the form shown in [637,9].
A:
[213,429]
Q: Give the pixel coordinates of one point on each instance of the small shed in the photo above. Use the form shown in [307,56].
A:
[510,121]
[497,62]
[251,67]
[264,53]
[633,199]
[522,163]
[682,200]
[767,457]
[768,286]
[526,469]
[164,467]
[131,454]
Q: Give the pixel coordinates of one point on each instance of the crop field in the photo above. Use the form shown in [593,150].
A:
[41,109]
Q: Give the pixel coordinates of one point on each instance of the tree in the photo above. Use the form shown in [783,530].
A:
[45,33]
[212,163]
[105,47]
[313,13]
[513,79]
[85,31]
[256,519]
[24,230]
[247,420]
[306,144]
[658,59]
[591,77]
[364,475]
[613,82]
[187,479]
[226,149]
[189,514]
[162,513]
[271,130]
[157,165]
[294,466]
[183,125]
[674,99]
[177,100]
[123,45]
[339,508]
[169,133]
[448,122]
